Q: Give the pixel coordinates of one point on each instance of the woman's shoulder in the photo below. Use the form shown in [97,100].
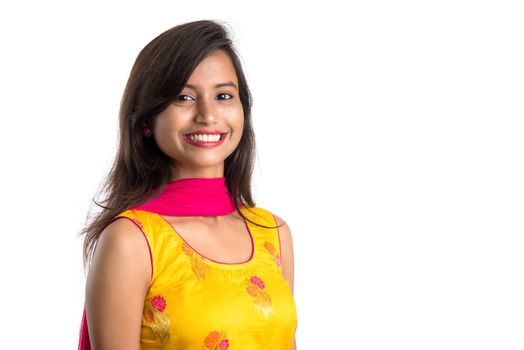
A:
[121,244]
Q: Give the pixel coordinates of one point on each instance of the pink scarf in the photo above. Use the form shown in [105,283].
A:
[192,197]
[182,197]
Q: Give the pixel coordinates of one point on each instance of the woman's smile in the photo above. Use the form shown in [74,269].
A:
[205,139]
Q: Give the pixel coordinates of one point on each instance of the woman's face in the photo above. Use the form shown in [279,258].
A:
[209,102]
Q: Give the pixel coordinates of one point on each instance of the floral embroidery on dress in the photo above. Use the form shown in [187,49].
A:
[198,264]
[271,249]
[216,341]
[156,318]
[261,299]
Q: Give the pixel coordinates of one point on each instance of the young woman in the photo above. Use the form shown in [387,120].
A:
[180,257]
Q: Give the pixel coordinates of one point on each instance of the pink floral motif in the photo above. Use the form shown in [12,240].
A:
[271,249]
[224,344]
[159,303]
[257,281]
[261,298]
[157,319]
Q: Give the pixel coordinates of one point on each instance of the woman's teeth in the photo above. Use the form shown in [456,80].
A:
[204,138]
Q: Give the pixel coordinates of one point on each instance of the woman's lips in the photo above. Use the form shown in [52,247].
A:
[205,143]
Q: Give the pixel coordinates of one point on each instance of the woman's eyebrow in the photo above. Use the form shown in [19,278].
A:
[229,83]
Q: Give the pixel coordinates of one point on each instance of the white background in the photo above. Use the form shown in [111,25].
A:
[389,134]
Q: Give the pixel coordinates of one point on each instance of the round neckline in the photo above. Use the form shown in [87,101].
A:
[251,259]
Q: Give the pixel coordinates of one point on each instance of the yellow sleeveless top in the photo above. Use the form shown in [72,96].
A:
[197,303]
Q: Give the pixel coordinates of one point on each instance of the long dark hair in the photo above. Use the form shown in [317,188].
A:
[140,169]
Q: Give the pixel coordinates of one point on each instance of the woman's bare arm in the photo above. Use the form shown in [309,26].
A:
[116,287]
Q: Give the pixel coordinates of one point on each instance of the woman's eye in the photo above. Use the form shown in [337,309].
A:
[177,98]
[230,96]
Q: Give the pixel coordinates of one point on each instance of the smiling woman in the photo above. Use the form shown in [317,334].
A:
[195,264]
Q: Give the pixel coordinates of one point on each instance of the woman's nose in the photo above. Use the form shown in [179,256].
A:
[207,109]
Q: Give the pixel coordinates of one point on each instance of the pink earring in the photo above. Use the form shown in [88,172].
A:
[147,131]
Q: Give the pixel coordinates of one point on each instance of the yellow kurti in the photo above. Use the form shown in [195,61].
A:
[197,303]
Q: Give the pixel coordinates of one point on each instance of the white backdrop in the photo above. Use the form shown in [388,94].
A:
[389,134]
